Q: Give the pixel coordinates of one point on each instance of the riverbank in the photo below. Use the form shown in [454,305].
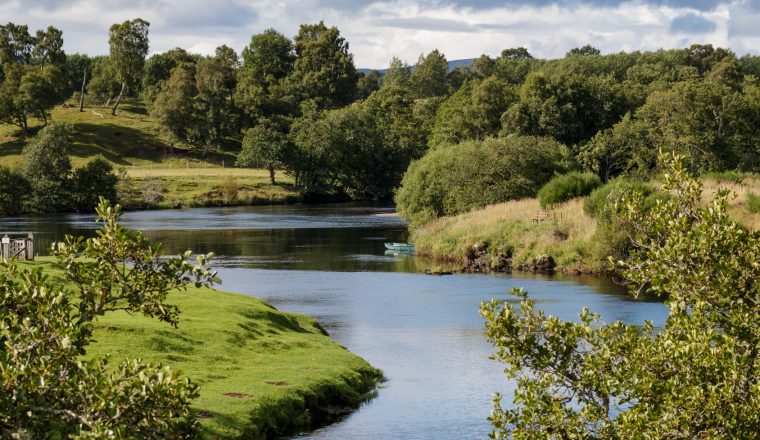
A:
[188,187]
[505,236]
[262,372]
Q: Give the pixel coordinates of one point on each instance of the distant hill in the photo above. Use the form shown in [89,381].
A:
[452,65]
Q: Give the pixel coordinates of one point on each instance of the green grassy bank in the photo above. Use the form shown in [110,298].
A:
[262,372]
[162,174]
[507,229]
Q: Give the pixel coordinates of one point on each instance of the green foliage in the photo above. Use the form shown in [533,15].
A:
[708,121]
[128,45]
[261,91]
[398,73]
[428,78]
[264,145]
[158,68]
[567,106]
[91,182]
[48,169]
[14,188]
[457,178]
[600,202]
[367,84]
[583,51]
[174,107]
[696,377]
[753,203]
[566,187]
[47,389]
[29,92]
[324,69]
[103,83]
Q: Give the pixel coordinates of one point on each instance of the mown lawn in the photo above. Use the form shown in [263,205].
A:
[262,372]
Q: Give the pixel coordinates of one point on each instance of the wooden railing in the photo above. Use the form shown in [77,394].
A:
[541,216]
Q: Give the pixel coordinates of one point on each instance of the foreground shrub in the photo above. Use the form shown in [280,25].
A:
[454,179]
[47,389]
[696,377]
[566,187]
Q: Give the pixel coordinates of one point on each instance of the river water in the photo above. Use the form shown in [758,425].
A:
[328,261]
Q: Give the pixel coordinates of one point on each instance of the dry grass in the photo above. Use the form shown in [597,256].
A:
[509,228]
[740,190]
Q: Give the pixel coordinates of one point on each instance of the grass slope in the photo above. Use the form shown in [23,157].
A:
[262,372]
[508,228]
[132,140]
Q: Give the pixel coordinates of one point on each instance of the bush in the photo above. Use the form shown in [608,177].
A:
[454,179]
[566,187]
[753,203]
[94,180]
[48,169]
[13,190]
[598,202]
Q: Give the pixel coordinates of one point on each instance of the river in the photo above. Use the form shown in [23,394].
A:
[328,261]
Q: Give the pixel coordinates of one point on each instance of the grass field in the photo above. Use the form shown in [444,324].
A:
[261,371]
[185,177]
[508,228]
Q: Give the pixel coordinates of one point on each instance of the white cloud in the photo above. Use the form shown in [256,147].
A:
[379,30]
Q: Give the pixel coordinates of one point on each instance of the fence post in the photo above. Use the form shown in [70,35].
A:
[5,247]
[29,247]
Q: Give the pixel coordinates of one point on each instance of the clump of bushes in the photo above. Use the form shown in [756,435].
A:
[566,187]
[455,179]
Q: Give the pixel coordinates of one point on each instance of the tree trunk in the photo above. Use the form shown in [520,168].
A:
[81,94]
[118,99]
[271,175]
[108,102]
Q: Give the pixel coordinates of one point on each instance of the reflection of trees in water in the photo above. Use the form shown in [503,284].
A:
[341,249]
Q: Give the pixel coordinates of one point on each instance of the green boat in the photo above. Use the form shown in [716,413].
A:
[403,247]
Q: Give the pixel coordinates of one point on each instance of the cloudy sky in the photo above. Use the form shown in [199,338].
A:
[380,29]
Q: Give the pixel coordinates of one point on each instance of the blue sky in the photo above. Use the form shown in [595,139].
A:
[379,29]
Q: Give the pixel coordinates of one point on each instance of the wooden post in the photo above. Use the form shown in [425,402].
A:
[5,247]
[29,247]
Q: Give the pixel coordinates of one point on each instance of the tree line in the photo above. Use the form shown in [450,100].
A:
[301,105]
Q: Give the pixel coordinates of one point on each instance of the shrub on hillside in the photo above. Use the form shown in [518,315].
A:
[566,187]
[472,174]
